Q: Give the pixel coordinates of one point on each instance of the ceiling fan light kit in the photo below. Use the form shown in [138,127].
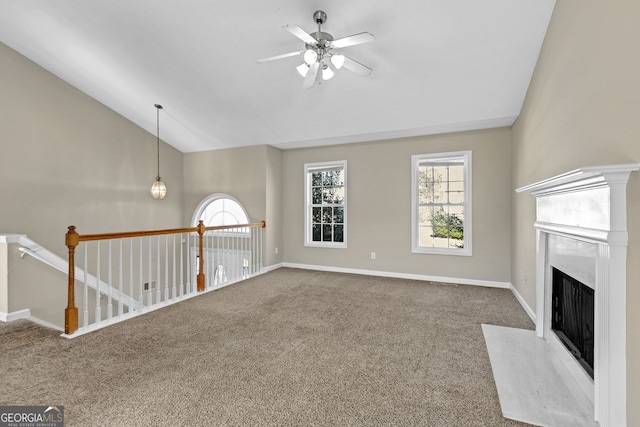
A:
[320,61]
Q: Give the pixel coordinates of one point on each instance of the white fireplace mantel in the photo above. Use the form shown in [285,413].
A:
[589,206]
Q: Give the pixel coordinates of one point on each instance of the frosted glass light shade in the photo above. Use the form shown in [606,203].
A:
[303,69]
[327,73]
[310,56]
[337,60]
[158,190]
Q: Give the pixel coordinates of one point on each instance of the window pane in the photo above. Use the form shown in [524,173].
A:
[439,174]
[338,233]
[338,215]
[339,195]
[425,215]
[328,194]
[317,232]
[316,179]
[332,178]
[456,173]
[326,215]
[440,242]
[456,223]
[425,236]
[316,196]
[326,233]
[439,192]
[456,192]
[315,215]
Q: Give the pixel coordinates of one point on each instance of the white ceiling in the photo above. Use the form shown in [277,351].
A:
[438,65]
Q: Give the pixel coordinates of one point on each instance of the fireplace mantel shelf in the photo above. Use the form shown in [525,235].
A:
[581,179]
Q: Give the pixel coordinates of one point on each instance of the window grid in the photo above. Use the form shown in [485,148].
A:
[327,218]
[326,204]
[441,216]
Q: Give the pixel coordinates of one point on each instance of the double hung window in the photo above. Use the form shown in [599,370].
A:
[441,203]
[326,204]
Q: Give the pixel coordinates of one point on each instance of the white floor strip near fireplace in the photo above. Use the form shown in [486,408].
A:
[581,226]
[533,385]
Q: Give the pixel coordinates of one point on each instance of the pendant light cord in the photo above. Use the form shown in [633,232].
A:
[158,108]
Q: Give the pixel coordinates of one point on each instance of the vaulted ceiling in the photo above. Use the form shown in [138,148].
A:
[438,65]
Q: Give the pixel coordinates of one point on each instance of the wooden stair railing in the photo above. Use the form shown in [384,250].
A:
[72,239]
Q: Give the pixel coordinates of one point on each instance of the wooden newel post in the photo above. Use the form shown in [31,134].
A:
[71,312]
[200,278]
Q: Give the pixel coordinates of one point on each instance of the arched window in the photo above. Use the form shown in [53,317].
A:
[220,209]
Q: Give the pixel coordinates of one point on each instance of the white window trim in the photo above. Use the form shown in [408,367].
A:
[308,238]
[468,213]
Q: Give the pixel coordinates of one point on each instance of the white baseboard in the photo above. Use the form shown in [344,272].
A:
[10,317]
[438,279]
[26,314]
[46,324]
[523,303]
[272,267]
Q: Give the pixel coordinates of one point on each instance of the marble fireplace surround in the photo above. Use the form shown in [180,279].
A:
[581,223]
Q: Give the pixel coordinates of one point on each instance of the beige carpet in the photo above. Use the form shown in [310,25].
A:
[290,347]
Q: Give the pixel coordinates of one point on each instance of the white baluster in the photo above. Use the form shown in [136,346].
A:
[225,253]
[131,299]
[189,261]
[150,278]
[158,279]
[260,248]
[237,268]
[173,269]
[120,308]
[140,274]
[181,265]
[85,297]
[166,268]
[246,250]
[110,284]
[98,290]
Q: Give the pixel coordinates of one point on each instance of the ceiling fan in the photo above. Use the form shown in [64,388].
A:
[319,53]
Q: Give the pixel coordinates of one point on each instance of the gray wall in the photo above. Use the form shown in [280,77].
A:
[379,206]
[66,159]
[582,109]
[250,174]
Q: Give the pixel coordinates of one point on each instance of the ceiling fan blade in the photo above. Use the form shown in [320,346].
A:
[353,40]
[312,76]
[356,67]
[284,55]
[301,34]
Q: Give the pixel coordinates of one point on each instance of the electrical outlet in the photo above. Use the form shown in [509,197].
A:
[373,255]
[148,286]
[276,251]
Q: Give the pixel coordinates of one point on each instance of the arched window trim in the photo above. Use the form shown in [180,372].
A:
[202,206]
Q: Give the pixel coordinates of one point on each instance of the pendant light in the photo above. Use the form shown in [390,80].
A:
[158,189]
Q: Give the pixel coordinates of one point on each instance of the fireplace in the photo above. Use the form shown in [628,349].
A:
[581,242]
[572,317]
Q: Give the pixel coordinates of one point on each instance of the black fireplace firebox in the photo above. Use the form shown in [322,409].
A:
[572,317]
